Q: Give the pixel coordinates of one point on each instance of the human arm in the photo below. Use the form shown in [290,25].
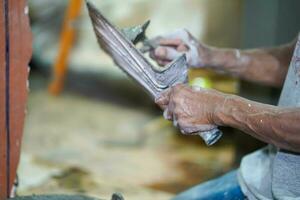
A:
[199,109]
[266,66]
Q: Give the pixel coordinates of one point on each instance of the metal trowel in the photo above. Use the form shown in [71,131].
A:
[119,45]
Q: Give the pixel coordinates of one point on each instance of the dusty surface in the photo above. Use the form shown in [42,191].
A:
[103,134]
[94,139]
[54,197]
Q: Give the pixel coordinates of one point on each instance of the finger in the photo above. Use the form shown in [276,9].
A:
[159,61]
[195,129]
[163,99]
[171,42]
[167,115]
[163,62]
[166,53]
[170,111]
[179,34]
[176,43]
[160,53]
[182,48]
[181,127]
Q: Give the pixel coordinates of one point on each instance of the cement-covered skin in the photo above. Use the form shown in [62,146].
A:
[174,44]
[267,66]
[203,109]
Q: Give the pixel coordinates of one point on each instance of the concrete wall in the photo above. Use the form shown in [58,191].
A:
[270,22]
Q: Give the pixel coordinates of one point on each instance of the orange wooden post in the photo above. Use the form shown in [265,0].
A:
[66,43]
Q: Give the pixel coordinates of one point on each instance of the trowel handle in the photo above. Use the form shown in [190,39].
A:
[210,137]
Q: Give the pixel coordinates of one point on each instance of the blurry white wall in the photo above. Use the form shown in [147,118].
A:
[214,22]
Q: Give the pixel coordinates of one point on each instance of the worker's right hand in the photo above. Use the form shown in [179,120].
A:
[171,46]
[192,109]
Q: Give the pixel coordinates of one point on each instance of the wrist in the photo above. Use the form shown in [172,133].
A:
[218,57]
[223,110]
[204,56]
[223,59]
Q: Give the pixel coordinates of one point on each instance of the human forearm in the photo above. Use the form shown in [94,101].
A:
[196,109]
[275,125]
[265,66]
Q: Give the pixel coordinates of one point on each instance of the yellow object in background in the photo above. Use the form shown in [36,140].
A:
[209,79]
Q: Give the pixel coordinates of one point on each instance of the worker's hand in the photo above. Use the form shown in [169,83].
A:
[191,109]
[171,46]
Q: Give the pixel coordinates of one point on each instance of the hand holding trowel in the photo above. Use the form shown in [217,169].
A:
[120,46]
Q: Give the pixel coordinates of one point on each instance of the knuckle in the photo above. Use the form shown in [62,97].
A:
[160,51]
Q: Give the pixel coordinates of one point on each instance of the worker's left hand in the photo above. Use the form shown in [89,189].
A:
[191,109]
[174,44]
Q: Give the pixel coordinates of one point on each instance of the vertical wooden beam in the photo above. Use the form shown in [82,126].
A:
[13,93]
[3,132]
[20,53]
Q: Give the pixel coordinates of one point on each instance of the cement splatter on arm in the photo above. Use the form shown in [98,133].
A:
[203,109]
[264,66]
[272,124]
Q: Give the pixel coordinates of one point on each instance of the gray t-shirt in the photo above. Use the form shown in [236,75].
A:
[271,173]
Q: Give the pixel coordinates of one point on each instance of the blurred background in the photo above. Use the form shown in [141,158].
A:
[91,130]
